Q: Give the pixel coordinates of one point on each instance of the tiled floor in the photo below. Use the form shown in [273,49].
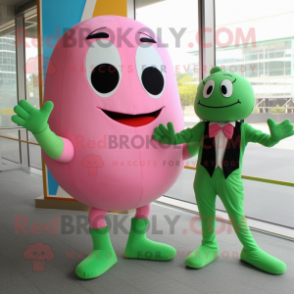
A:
[225,275]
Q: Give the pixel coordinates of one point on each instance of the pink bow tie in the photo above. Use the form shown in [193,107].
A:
[215,128]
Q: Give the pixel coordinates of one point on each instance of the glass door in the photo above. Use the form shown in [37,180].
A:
[9,149]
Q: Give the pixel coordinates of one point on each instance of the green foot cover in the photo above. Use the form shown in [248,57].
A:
[139,246]
[101,259]
[202,256]
[264,261]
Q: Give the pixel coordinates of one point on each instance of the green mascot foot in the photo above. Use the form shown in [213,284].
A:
[140,247]
[202,256]
[101,259]
[263,261]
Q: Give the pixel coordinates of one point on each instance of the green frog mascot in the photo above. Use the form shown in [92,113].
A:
[223,101]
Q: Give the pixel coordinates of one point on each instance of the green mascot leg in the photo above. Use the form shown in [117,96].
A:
[232,195]
[231,192]
[140,247]
[205,198]
[101,259]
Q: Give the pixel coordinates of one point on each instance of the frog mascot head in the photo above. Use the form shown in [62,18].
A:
[224,96]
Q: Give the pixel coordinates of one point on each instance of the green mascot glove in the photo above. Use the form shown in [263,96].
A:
[31,118]
[169,137]
[35,121]
[165,135]
[280,131]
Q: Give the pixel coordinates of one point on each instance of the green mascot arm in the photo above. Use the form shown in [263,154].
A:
[35,121]
[192,148]
[51,143]
[168,135]
[278,132]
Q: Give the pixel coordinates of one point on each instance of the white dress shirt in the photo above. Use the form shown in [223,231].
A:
[221,143]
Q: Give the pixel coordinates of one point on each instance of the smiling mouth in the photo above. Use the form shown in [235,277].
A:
[136,120]
[238,102]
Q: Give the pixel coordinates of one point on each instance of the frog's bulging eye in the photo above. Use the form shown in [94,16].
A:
[226,88]
[208,88]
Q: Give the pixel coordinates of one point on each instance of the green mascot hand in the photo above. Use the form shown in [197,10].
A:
[165,135]
[30,117]
[280,131]
[35,121]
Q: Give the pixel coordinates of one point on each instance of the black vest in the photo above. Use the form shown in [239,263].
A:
[231,156]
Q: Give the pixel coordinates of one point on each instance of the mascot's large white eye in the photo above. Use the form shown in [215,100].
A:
[103,67]
[150,70]
[226,88]
[208,88]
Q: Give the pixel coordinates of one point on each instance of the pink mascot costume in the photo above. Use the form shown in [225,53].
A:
[112,85]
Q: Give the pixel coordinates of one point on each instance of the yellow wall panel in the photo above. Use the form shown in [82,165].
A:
[113,7]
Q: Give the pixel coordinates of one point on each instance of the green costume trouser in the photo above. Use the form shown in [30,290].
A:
[231,192]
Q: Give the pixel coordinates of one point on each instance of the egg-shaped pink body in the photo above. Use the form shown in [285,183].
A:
[116,165]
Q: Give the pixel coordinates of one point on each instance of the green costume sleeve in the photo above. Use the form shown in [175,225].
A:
[193,148]
[190,135]
[50,142]
[257,136]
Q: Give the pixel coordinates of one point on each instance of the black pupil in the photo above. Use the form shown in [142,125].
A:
[104,78]
[152,80]
[224,89]
[209,90]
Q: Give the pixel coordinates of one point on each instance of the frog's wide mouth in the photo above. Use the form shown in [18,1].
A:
[238,102]
[133,120]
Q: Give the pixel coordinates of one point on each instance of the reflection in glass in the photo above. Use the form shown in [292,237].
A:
[261,50]
[8,79]
[10,150]
[31,54]
[176,24]
[32,79]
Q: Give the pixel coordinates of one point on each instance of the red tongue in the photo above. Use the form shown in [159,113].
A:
[136,121]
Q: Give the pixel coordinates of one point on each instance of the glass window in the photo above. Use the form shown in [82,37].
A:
[10,150]
[8,90]
[266,36]
[167,18]
[276,68]
[32,84]
[31,52]
[261,50]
